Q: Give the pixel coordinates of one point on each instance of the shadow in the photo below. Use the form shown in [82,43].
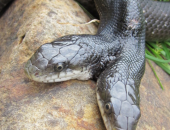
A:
[4,6]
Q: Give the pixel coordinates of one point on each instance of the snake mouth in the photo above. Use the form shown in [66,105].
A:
[38,75]
[108,124]
[26,69]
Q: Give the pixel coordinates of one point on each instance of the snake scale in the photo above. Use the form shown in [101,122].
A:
[115,55]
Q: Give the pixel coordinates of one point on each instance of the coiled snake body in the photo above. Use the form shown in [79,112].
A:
[115,55]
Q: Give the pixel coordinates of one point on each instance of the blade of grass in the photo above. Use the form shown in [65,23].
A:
[167,43]
[154,51]
[167,56]
[156,59]
[164,66]
[155,74]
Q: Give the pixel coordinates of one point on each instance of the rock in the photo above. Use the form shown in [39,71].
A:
[25,104]
[155,104]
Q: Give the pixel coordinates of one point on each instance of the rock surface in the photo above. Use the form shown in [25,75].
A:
[70,105]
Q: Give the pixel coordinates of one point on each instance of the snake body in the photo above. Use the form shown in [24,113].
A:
[115,55]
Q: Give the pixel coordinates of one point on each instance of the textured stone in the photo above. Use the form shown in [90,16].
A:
[155,112]
[25,104]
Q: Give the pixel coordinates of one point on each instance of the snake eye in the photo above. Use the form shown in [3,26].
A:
[108,107]
[58,67]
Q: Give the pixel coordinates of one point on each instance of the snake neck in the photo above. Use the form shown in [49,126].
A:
[122,21]
[99,52]
[119,19]
[122,24]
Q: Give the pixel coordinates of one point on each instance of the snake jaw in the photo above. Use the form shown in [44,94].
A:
[33,73]
[107,121]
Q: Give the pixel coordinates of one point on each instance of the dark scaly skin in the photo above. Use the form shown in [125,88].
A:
[118,85]
[157,18]
[115,55]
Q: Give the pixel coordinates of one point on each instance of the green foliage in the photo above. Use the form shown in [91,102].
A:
[160,54]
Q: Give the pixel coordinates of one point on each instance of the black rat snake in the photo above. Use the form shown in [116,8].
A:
[115,55]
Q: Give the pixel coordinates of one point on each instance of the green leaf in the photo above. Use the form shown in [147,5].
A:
[156,59]
[156,74]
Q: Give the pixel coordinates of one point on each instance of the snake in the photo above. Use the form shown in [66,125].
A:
[115,56]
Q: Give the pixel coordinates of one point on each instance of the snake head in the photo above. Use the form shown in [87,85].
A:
[118,97]
[61,60]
